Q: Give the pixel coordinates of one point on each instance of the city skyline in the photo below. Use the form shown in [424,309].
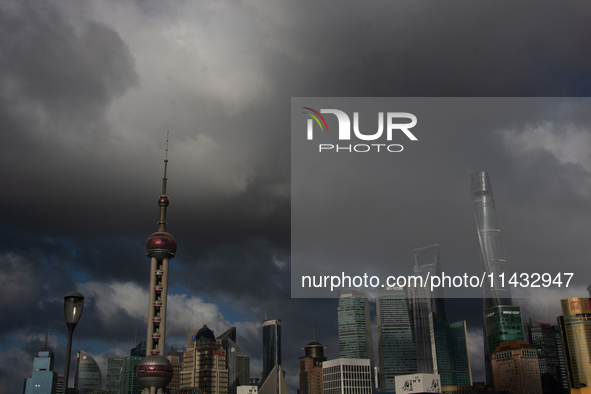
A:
[89,90]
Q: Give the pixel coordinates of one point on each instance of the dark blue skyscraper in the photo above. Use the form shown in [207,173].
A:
[271,346]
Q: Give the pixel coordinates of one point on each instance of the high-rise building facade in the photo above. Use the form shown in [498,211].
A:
[442,348]
[575,331]
[129,383]
[396,347]
[311,368]
[461,351]
[503,324]
[427,262]
[271,346]
[354,324]
[114,369]
[139,350]
[492,252]
[515,368]
[347,376]
[88,374]
[175,361]
[561,358]
[543,338]
[204,364]
[237,361]
[43,379]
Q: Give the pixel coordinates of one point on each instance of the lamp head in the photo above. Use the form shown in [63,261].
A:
[73,305]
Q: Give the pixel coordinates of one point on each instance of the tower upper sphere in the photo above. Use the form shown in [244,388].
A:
[161,244]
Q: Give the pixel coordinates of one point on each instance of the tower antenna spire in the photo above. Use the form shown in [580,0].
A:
[165,167]
[163,201]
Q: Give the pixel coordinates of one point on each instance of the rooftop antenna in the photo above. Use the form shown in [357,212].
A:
[313,333]
[265,313]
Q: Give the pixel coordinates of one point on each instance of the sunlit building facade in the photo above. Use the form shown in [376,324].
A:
[515,368]
[575,331]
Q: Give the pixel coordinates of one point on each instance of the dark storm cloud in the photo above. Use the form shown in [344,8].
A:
[87,94]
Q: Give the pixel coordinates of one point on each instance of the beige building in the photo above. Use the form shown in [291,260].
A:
[204,364]
[515,368]
[175,360]
[575,331]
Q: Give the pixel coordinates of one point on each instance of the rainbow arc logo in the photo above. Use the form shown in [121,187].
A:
[316,118]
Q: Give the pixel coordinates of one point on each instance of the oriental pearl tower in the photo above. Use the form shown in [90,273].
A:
[154,372]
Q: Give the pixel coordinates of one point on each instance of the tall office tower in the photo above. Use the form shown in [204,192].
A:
[492,253]
[423,304]
[543,338]
[139,350]
[515,368]
[396,347]
[271,346]
[427,262]
[503,324]
[175,361]
[242,368]
[59,388]
[347,376]
[461,351]
[129,383]
[88,374]
[561,359]
[204,364]
[421,316]
[575,332]
[355,339]
[114,369]
[311,368]
[439,344]
[44,379]
[155,371]
[237,362]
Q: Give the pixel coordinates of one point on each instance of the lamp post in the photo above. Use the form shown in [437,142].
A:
[73,305]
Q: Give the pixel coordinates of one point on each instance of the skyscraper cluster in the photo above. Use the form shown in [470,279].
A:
[418,348]
[413,333]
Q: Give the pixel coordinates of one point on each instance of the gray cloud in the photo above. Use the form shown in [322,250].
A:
[88,91]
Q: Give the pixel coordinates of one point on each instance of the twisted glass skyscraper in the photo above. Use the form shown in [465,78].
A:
[492,253]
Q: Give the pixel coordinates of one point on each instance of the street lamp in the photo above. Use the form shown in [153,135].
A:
[73,305]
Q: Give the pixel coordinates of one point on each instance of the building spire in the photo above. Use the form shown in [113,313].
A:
[163,201]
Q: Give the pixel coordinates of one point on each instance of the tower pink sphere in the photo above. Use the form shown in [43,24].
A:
[161,243]
[154,371]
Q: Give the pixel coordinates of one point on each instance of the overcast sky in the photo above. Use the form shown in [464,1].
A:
[89,89]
